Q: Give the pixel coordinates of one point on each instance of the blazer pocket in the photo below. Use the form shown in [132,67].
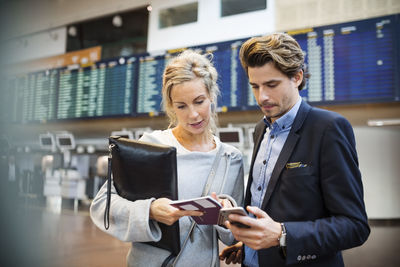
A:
[299,171]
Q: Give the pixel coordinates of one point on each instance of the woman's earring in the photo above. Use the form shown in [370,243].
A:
[212,107]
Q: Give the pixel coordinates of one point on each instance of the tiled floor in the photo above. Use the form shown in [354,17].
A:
[70,239]
[80,243]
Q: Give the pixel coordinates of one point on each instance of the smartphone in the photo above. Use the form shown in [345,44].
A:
[224,214]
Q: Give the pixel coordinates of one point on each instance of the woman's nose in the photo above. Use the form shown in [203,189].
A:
[193,112]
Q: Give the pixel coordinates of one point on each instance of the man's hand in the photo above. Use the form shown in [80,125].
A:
[162,211]
[263,232]
[232,254]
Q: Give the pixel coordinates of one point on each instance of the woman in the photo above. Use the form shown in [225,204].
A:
[189,95]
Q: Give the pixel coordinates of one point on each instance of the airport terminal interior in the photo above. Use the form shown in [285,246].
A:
[75,72]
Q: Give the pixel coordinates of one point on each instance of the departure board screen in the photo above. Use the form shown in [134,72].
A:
[44,84]
[31,97]
[17,100]
[351,62]
[149,89]
[9,91]
[104,89]
[231,77]
[25,100]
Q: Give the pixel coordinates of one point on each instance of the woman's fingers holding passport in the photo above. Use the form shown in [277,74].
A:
[162,211]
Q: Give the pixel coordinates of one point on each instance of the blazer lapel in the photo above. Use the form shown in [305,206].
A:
[286,152]
[258,139]
[258,134]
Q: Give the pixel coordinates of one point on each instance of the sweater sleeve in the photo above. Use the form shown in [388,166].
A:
[129,220]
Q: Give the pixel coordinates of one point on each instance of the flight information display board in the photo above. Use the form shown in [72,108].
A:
[231,76]
[17,100]
[44,84]
[352,62]
[31,97]
[104,89]
[149,89]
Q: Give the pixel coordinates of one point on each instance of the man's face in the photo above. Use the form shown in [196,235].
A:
[275,93]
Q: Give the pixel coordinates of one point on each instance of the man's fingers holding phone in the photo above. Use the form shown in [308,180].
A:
[233,216]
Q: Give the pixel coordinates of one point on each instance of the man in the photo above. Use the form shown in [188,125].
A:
[304,189]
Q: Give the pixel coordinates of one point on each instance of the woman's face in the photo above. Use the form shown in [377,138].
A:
[192,106]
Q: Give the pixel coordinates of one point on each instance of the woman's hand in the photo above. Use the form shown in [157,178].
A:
[232,254]
[162,211]
[225,203]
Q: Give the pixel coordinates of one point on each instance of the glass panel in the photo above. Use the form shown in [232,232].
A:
[178,15]
[233,7]
[130,38]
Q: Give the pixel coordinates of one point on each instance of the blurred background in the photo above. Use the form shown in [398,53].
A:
[74,72]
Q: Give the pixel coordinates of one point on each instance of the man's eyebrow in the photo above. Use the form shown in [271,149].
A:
[266,82]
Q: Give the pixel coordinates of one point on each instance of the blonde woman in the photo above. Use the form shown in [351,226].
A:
[189,96]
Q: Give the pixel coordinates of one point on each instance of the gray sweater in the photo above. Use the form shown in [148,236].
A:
[129,221]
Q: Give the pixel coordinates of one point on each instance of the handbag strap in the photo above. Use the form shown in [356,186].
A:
[212,172]
[228,164]
[206,190]
[108,203]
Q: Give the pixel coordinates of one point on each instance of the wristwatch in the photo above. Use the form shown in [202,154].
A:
[282,241]
[282,238]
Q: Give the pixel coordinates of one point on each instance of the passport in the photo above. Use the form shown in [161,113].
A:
[214,213]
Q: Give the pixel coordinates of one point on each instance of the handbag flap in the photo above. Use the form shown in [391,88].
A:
[144,170]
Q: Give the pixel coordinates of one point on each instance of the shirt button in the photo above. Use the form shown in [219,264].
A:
[303,258]
[264,162]
[308,257]
[313,257]
[259,188]
[272,136]
[299,258]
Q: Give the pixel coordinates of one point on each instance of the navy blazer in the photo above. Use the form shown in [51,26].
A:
[322,203]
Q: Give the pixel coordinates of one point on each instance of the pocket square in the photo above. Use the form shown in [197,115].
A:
[293,165]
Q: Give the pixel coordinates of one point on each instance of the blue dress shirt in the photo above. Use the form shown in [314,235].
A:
[270,148]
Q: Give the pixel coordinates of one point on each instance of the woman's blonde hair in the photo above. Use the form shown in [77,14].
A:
[187,66]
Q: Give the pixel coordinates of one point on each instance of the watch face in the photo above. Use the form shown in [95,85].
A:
[282,240]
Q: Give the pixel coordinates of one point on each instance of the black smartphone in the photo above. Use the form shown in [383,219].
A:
[224,214]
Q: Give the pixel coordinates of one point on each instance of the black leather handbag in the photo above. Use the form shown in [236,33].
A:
[143,170]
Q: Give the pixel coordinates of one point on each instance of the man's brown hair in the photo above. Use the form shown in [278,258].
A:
[279,48]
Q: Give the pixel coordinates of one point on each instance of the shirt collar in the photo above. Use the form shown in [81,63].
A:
[287,119]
